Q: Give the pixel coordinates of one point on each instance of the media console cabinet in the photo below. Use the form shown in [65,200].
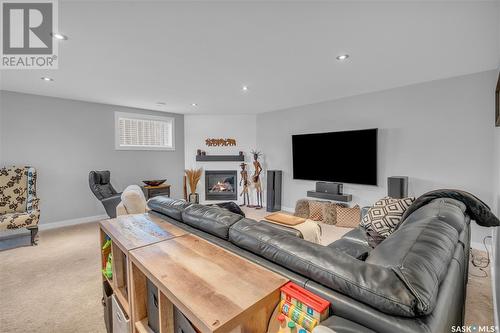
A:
[197,282]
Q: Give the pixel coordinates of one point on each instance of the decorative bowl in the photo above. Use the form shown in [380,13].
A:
[157,182]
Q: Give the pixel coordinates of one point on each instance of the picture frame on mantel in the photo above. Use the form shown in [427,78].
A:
[497,103]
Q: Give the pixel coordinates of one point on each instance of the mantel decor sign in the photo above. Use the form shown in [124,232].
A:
[211,142]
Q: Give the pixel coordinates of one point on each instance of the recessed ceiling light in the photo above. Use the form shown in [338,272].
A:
[194,104]
[45,78]
[342,57]
[59,36]
[244,88]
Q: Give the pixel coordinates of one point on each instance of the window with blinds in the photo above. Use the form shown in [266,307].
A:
[143,132]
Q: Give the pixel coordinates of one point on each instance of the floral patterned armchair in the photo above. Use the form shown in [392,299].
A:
[18,201]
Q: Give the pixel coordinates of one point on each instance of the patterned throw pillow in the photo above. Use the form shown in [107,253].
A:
[302,208]
[316,210]
[385,215]
[330,212]
[348,217]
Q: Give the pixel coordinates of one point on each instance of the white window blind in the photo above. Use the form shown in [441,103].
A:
[136,131]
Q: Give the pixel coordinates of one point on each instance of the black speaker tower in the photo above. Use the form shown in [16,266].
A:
[397,187]
[273,200]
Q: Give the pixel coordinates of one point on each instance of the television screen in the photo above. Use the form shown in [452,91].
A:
[342,157]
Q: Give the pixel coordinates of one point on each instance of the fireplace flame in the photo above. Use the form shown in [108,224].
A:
[221,187]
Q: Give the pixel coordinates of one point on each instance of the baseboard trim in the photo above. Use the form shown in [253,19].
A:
[67,223]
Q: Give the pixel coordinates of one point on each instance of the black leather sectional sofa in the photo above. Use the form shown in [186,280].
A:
[414,281]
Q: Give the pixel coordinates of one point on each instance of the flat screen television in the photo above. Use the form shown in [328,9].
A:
[342,157]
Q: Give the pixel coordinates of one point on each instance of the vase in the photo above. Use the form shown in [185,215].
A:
[194,198]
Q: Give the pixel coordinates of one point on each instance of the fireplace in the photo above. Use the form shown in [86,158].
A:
[221,185]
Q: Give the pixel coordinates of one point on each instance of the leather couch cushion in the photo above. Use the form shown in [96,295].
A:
[357,235]
[375,285]
[447,210]
[213,220]
[353,248]
[419,253]
[171,207]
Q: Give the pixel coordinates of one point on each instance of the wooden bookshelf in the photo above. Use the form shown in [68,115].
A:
[130,232]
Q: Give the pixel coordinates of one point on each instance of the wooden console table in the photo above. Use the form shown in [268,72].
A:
[216,290]
[130,232]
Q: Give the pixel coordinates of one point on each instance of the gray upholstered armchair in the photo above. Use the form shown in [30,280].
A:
[99,182]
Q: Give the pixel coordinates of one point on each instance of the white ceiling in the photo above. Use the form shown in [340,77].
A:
[137,53]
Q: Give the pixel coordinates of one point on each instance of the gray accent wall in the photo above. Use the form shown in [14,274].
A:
[65,139]
[439,133]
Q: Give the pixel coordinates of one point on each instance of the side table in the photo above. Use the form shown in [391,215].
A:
[153,191]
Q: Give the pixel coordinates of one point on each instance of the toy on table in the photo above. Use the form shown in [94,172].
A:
[291,326]
[107,258]
[298,316]
[108,270]
[306,301]
[282,320]
[302,307]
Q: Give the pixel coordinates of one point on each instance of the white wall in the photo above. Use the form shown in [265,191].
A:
[197,128]
[440,134]
[65,139]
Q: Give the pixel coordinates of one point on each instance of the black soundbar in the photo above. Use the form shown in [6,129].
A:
[330,196]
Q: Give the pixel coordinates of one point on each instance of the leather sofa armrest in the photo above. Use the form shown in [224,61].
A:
[335,324]
[111,203]
[282,228]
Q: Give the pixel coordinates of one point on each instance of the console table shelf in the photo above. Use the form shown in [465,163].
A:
[330,196]
[220,158]
[130,232]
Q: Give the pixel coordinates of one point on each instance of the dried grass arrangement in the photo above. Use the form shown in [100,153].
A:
[193,176]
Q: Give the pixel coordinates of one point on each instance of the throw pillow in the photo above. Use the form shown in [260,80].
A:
[302,208]
[385,215]
[330,212]
[348,217]
[316,210]
[133,199]
[232,207]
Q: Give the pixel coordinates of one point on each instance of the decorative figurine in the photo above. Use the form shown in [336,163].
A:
[256,177]
[244,180]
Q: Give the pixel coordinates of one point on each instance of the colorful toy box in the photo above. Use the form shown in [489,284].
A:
[303,300]
[298,316]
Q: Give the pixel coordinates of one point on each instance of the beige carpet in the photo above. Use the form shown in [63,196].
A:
[56,286]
